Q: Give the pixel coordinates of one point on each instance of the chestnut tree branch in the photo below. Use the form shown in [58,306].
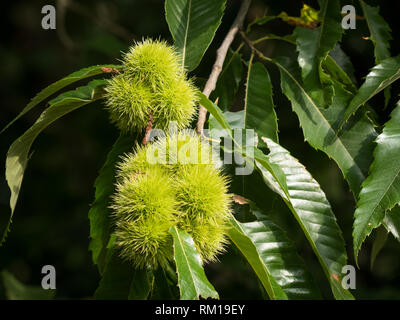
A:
[148,129]
[219,62]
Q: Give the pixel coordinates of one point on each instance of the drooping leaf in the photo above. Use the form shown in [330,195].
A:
[192,24]
[392,221]
[380,77]
[340,68]
[379,243]
[381,190]
[344,62]
[216,112]
[351,148]
[121,281]
[60,84]
[380,36]
[99,213]
[273,257]
[313,212]
[16,290]
[228,81]
[259,113]
[192,280]
[246,246]
[165,287]
[380,31]
[17,156]
[313,46]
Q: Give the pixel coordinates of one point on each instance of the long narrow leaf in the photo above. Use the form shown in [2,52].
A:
[381,190]
[273,257]
[193,24]
[17,156]
[351,148]
[392,221]
[379,29]
[192,280]
[60,84]
[380,77]
[259,113]
[313,212]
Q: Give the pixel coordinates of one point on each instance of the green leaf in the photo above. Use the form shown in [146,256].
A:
[271,173]
[380,31]
[392,221]
[381,190]
[379,243]
[336,64]
[351,148]
[344,62]
[279,172]
[228,81]
[60,84]
[253,157]
[259,113]
[216,112]
[16,290]
[192,280]
[193,24]
[313,46]
[313,212]
[165,287]
[121,281]
[380,77]
[17,156]
[273,257]
[247,247]
[99,213]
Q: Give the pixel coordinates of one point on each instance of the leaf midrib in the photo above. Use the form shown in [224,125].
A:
[323,118]
[187,261]
[235,223]
[186,34]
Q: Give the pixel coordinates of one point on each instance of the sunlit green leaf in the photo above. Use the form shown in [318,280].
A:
[60,84]
[313,212]
[18,154]
[380,77]
[192,24]
[192,280]
[273,258]
[381,190]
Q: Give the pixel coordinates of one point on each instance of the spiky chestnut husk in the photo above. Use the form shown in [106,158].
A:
[197,193]
[153,83]
[174,101]
[154,62]
[202,194]
[129,103]
[143,211]
[172,152]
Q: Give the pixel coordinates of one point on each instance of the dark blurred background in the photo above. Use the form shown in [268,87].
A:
[50,225]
